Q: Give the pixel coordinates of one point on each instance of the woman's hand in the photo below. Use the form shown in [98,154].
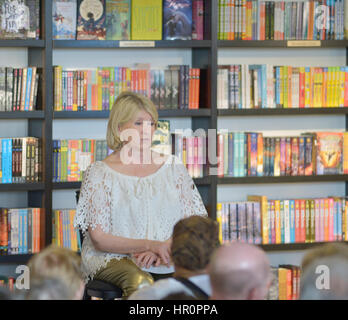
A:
[147,259]
[161,249]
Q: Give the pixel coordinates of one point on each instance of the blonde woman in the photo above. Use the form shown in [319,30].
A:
[130,201]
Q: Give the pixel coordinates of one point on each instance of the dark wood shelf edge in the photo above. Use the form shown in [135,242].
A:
[77,184]
[105,114]
[282,111]
[22,115]
[279,44]
[282,179]
[294,246]
[15,258]
[31,43]
[115,44]
[21,186]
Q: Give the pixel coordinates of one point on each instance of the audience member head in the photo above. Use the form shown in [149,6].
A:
[58,263]
[5,294]
[44,289]
[193,242]
[239,271]
[325,273]
[179,296]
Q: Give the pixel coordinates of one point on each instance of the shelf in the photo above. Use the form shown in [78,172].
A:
[105,114]
[77,184]
[22,186]
[22,115]
[281,111]
[16,258]
[283,179]
[110,44]
[22,43]
[293,246]
[280,44]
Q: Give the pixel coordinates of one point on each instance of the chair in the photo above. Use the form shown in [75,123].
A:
[98,288]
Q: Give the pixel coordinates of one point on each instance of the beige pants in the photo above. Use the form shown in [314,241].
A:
[124,274]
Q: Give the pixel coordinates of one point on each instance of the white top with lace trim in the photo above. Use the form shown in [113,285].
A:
[134,207]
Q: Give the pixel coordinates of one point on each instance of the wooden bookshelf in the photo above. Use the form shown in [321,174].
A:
[15,258]
[293,246]
[22,115]
[105,114]
[282,112]
[282,179]
[110,44]
[204,55]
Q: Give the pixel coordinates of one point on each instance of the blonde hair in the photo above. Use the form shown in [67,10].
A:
[124,109]
[57,263]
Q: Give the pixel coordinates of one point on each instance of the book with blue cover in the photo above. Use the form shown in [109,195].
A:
[64,19]
[118,19]
[177,20]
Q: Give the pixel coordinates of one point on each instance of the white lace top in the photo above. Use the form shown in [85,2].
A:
[133,207]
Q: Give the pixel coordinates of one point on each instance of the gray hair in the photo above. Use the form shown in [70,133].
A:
[45,289]
[337,267]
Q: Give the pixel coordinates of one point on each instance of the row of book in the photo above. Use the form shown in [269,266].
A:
[22,231]
[242,154]
[281,20]
[267,86]
[63,232]
[191,150]
[19,88]
[262,221]
[285,283]
[20,160]
[8,283]
[128,20]
[72,157]
[96,89]
[20,19]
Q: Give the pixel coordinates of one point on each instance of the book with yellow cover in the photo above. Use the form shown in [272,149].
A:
[146,20]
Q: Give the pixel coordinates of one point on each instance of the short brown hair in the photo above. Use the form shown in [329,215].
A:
[194,240]
[57,263]
[323,251]
[123,110]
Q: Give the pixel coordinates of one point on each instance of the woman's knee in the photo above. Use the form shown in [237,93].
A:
[125,274]
[136,280]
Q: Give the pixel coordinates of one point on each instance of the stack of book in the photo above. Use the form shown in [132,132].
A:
[63,232]
[242,154]
[262,221]
[96,89]
[22,231]
[8,283]
[128,19]
[265,86]
[19,88]
[72,157]
[20,19]
[20,160]
[285,283]
[281,20]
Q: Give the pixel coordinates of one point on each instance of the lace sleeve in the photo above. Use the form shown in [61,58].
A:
[94,206]
[190,199]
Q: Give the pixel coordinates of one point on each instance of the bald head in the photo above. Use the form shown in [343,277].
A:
[239,271]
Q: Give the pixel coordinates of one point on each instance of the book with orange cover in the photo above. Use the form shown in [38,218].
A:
[284,280]
[329,152]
